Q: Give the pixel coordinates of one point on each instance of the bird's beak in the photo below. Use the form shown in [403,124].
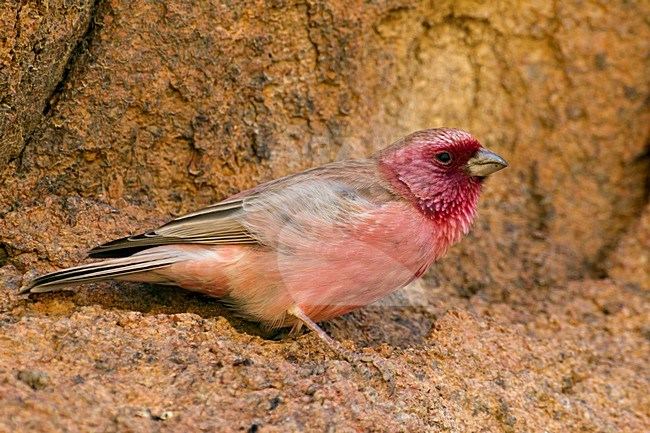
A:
[485,162]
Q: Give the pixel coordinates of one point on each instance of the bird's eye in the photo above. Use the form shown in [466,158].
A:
[444,157]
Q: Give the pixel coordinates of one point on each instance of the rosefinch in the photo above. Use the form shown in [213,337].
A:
[313,245]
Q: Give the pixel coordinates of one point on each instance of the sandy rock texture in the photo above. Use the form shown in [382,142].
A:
[117,116]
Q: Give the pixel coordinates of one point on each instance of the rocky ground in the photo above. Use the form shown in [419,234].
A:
[118,116]
[144,358]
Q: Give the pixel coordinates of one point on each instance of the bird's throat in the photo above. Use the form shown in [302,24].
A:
[452,212]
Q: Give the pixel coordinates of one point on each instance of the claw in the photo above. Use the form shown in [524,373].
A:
[378,363]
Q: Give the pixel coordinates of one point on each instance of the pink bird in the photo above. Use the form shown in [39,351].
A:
[313,245]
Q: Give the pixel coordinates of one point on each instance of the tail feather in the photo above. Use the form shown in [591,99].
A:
[101,271]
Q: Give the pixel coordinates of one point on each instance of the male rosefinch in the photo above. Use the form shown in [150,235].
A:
[313,245]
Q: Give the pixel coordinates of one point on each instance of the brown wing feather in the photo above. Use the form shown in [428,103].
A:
[214,225]
[226,222]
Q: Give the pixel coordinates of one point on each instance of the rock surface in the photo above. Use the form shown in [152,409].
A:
[117,116]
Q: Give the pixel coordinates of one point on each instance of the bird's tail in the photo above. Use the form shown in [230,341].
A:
[130,266]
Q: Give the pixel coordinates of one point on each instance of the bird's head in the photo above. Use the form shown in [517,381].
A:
[440,170]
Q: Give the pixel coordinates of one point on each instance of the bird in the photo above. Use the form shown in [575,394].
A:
[314,245]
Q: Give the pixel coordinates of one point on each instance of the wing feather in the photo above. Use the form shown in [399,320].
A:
[254,216]
[214,225]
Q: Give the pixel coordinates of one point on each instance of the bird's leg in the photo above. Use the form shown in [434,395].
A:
[295,329]
[353,358]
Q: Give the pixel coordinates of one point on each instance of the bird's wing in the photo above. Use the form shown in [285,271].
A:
[306,200]
[214,225]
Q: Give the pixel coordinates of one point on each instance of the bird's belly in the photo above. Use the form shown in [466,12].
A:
[327,281]
[324,284]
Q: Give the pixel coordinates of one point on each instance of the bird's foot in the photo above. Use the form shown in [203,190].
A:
[356,359]
[359,361]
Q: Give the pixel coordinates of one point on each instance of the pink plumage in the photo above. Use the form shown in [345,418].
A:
[313,245]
